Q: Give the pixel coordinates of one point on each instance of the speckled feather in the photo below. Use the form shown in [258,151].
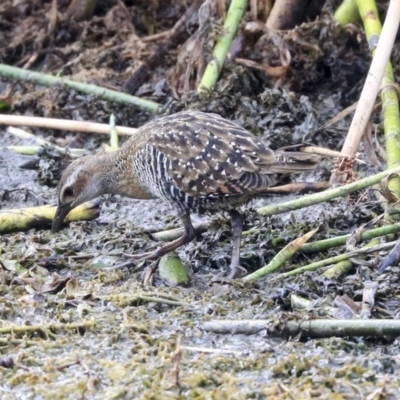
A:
[207,156]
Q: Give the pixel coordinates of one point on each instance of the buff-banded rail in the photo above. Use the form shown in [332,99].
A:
[196,162]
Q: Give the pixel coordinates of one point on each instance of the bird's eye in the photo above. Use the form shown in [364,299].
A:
[68,192]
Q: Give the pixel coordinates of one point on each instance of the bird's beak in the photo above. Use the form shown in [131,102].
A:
[61,213]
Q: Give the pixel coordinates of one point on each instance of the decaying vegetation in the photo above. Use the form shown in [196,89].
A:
[316,316]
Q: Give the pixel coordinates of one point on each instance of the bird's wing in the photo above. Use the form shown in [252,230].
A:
[211,156]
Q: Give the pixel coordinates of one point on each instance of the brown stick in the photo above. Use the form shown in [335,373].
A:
[299,187]
[286,14]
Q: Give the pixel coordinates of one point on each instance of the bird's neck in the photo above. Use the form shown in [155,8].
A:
[105,173]
[118,176]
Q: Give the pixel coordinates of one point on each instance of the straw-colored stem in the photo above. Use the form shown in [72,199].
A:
[374,77]
[63,124]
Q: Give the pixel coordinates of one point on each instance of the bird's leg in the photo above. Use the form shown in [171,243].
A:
[237,226]
[188,235]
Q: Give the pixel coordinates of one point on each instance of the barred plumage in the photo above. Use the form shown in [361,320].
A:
[194,161]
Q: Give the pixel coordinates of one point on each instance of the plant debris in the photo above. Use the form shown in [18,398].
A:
[74,327]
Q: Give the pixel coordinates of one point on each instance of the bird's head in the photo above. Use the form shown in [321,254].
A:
[83,180]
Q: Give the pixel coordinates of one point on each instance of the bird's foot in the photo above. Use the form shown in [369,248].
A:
[234,272]
[134,260]
[237,272]
[128,264]
[141,256]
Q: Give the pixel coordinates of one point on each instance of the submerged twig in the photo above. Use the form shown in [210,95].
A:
[310,329]
[125,299]
[210,350]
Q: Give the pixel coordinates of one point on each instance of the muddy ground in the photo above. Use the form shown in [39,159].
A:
[102,334]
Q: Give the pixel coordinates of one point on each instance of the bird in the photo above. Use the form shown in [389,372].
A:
[196,162]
